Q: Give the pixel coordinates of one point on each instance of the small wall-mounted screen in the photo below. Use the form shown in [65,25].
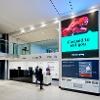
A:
[88,69]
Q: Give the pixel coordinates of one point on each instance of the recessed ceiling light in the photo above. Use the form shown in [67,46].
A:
[32,28]
[22,30]
[92,10]
[93,7]
[43,24]
[56,21]
[73,15]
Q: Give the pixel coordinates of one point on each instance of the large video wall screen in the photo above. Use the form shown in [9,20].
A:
[80,36]
[88,69]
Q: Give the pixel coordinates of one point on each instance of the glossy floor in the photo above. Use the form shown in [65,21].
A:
[12,90]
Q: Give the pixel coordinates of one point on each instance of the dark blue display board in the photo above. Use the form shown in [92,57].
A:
[88,69]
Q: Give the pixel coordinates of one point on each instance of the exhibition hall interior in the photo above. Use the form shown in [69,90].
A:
[49,49]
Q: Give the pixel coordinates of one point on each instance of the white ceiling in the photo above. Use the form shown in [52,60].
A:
[42,34]
[15,14]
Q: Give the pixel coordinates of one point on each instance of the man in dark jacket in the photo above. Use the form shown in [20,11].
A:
[41,78]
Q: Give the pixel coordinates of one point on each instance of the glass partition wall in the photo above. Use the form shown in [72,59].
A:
[33,47]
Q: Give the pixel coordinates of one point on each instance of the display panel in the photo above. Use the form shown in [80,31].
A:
[80,36]
[88,69]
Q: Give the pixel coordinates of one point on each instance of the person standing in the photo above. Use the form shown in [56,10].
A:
[48,71]
[41,78]
[37,74]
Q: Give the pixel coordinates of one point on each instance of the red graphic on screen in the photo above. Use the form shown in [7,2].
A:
[77,25]
[86,75]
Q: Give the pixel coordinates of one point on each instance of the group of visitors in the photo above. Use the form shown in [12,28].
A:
[39,75]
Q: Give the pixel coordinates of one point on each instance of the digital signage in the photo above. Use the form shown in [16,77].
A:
[79,36]
[88,69]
